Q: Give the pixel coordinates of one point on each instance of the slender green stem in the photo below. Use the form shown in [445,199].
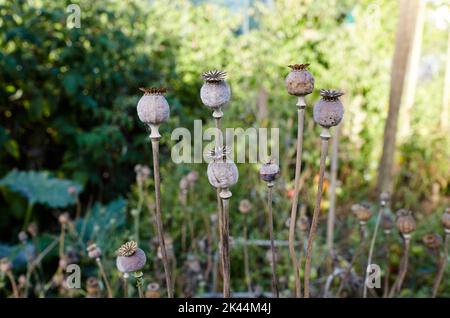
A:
[140,283]
[325,136]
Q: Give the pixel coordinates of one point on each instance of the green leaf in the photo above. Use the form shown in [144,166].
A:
[39,187]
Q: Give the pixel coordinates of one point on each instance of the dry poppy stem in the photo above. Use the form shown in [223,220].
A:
[352,262]
[403,268]
[225,251]
[272,244]
[125,285]
[155,136]
[293,220]
[246,258]
[104,277]
[325,136]
[386,277]
[442,265]
[13,284]
[372,246]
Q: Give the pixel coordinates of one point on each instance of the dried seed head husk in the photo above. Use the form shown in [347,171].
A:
[385,197]
[245,206]
[386,222]
[153,107]
[219,153]
[94,251]
[446,219]
[304,223]
[328,111]
[269,171]
[5,265]
[222,174]
[92,287]
[64,218]
[299,82]
[405,221]
[152,291]
[432,241]
[133,263]
[361,212]
[215,94]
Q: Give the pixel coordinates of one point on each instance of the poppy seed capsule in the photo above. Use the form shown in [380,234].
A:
[153,108]
[130,258]
[384,198]
[269,171]
[5,265]
[386,222]
[245,206]
[432,241]
[328,111]
[215,92]
[222,173]
[446,220]
[362,212]
[94,251]
[299,81]
[405,222]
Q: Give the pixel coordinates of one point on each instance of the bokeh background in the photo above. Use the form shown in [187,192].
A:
[70,138]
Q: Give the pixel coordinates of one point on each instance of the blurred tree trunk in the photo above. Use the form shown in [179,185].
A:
[445,116]
[403,44]
[412,72]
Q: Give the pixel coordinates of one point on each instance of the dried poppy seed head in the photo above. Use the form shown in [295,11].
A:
[361,212]
[92,287]
[222,173]
[130,258]
[384,198]
[64,218]
[304,223]
[153,108]
[386,222]
[446,220]
[245,206]
[5,265]
[152,291]
[23,236]
[405,222]
[328,111]
[432,241]
[269,171]
[215,92]
[32,229]
[299,82]
[94,251]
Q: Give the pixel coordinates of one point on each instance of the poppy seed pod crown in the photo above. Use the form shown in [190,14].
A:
[299,81]
[269,171]
[130,258]
[405,222]
[328,111]
[215,92]
[153,108]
